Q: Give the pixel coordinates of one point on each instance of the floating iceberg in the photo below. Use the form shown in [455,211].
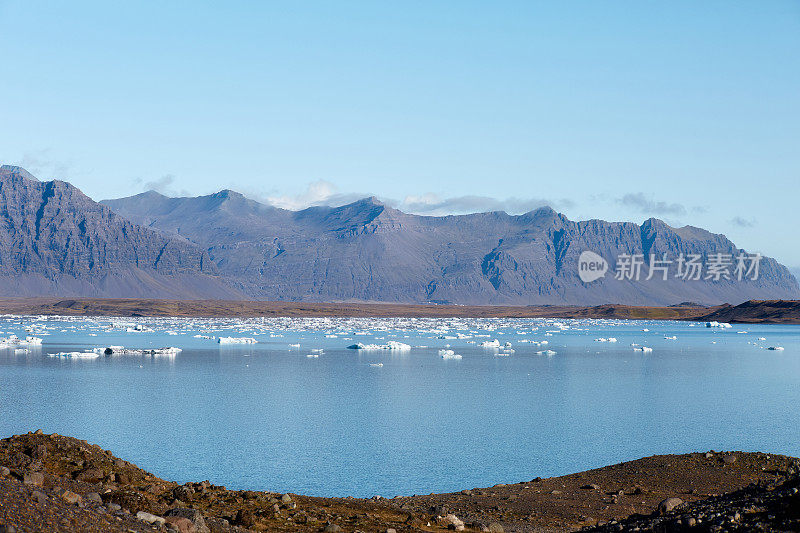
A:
[80,355]
[236,340]
[121,350]
[490,344]
[715,324]
[776,348]
[394,346]
[449,354]
[642,349]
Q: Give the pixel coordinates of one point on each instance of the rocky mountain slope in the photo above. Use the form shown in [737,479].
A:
[56,240]
[368,251]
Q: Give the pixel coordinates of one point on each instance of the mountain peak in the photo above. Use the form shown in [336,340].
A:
[11,171]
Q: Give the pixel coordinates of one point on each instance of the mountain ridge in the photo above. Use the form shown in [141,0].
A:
[56,240]
[368,251]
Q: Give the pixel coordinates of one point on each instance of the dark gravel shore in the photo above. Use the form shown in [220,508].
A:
[52,483]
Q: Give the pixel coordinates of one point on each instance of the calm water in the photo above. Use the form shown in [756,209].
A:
[265,416]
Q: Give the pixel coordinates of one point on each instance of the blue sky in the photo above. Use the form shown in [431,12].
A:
[687,111]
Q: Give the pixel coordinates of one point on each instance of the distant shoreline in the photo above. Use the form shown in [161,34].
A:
[767,311]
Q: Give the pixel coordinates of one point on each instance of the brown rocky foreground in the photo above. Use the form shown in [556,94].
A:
[52,483]
[754,311]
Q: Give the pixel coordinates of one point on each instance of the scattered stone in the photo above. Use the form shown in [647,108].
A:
[286,499]
[494,527]
[150,518]
[38,432]
[70,497]
[180,524]
[332,528]
[39,496]
[33,478]
[669,504]
[4,471]
[7,528]
[245,518]
[111,506]
[40,452]
[93,497]
[729,459]
[90,475]
[193,515]
[592,486]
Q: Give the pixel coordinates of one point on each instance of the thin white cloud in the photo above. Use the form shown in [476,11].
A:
[641,203]
[742,222]
[432,204]
[320,192]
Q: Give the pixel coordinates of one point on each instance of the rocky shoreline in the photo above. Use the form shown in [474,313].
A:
[752,312]
[53,483]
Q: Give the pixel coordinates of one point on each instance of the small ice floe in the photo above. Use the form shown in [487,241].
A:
[449,354]
[170,332]
[77,355]
[137,328]
[121,350]
[644,349]
[313,356]
[393,346]
[236,340]
[13,341]
[294,345]
[672,338]
[604,339]
[546,352]
[376,365]
[776,348]
[199,336]
[507,345]
[645,330]
[715,324]
[762,338]
[490,344]
[21,351]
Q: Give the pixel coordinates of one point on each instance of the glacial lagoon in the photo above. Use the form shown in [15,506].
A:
[294,409]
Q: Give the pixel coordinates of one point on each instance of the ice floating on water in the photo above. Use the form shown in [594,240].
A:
[603,339]
[13,340]
[449,354]
[294,346]
[546,352]
[776,348]
[313,355]
[490,344]
[715,324]
[376,365]
[394,346]
[673,338]
[121,350]
[81,355]
[642,349]
[236,340]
